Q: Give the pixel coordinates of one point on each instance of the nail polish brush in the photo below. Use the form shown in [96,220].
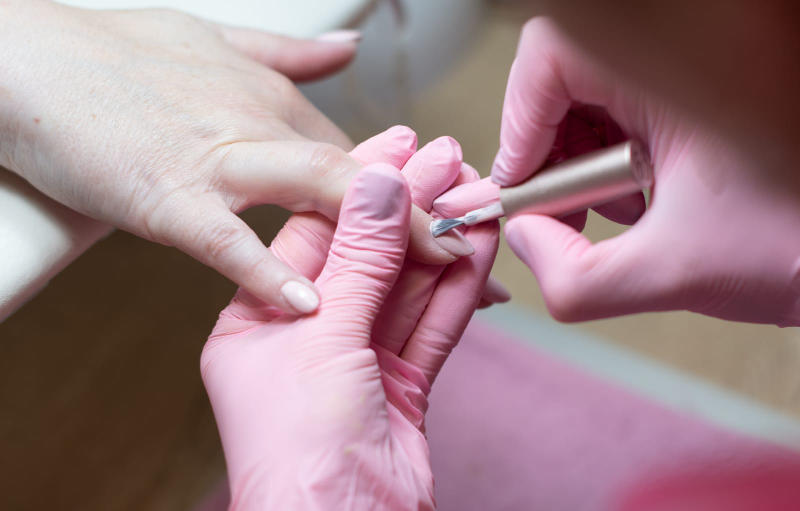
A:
[570,186]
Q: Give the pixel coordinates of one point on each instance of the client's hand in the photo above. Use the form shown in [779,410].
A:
[317,412]
[166,126]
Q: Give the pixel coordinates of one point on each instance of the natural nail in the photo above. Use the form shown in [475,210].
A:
[340,36]
[300,296]
[455,243]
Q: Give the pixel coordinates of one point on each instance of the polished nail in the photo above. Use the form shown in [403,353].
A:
[340,36]
[455,243]
[300,296]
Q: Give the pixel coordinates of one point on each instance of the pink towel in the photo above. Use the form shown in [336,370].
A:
[510,428]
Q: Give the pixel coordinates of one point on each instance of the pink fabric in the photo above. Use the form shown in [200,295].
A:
[510,428]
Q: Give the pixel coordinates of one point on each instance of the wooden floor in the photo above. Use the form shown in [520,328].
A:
[101,399]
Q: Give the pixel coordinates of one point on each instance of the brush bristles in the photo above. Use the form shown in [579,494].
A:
[439,227]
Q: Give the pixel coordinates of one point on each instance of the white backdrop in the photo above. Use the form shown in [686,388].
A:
[299,18]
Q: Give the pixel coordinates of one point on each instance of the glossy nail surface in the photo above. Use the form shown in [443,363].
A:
[299,296]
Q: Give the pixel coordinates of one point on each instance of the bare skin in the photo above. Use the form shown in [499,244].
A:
[167,126]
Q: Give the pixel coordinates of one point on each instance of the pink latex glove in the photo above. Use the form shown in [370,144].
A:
[305,239]
[720,237]
[316,412]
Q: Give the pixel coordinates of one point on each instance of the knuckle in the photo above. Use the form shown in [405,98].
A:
[531,25]
[538,24]
[159,217]
[174,16]
[349,264]
[439,342]
[328,163]
[216,241]
[284,88]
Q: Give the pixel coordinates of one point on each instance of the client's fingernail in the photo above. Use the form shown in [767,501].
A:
[340,36]
[455,243]
[300,296]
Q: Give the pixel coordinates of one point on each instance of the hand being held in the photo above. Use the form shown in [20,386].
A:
[328,410]
[167,126]
[720,236]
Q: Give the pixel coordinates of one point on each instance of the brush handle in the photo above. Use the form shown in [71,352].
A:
[579,183]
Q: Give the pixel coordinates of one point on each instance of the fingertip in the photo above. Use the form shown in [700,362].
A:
[340,36]
[393,146]
[500,175]
[302,59]
[466,197]
[455,147]
[516,232]
[496,292]
[484,304]
[278,285]
[379,192]
[376,174]
[447,148]
[302,297]
[468,174]
[402,136]
[432,170]
[423,247]
[512,228]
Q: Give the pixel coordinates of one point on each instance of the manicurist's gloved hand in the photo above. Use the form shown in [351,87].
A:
[305,239]
[167,126]
[720,236]
[325,411]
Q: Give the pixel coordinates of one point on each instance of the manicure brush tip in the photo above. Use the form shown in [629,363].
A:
[441,226]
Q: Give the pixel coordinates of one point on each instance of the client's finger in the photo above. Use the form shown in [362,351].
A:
[205,229]
[298,59]
[310,176]
[310,234]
